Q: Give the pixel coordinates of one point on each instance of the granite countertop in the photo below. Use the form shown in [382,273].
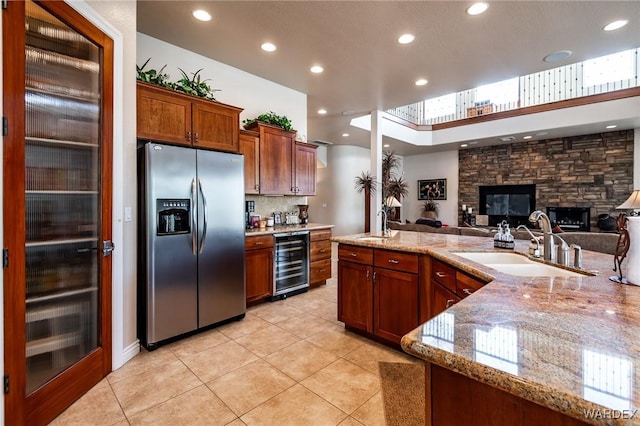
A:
[286,228]
[568,343]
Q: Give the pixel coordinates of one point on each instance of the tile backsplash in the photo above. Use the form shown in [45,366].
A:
[265,206]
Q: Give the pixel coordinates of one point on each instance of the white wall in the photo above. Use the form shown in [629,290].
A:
[239,88]
[336,201]
[636,159]
[121,16]
[432,166]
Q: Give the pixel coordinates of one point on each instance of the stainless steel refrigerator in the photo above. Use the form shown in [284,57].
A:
[191,240]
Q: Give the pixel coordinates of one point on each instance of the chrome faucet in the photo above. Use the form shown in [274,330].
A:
[562,255]
[533,237]
[546,233]
[385,230]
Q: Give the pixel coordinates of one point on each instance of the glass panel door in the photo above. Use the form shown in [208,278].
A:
[62,197]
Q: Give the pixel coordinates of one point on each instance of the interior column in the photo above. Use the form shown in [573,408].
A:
[376,169]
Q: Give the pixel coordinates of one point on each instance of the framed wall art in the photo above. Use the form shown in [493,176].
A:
[432,189]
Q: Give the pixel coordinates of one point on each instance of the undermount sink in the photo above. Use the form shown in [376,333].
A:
[517,264]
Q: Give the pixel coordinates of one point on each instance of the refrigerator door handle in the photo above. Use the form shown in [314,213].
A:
[194,227]
[204,207]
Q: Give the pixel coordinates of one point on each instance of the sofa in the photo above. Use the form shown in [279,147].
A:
[602,242]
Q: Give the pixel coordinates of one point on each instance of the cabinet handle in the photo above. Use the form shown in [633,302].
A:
[323,251]
[189,136]
[394,261]
[450,303]
[368,273]
[440,275]
[257,187]
[196,141]
[374,277]
[353,254]
[258,243]
[466,291]
[322,270]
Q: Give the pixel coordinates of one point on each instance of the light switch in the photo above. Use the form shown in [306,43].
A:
[127,214]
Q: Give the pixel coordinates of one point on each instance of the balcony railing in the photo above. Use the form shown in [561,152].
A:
[601,75]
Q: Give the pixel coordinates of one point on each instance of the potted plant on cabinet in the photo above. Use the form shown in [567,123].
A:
[272,118]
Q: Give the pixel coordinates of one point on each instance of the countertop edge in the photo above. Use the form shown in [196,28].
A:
[288,228]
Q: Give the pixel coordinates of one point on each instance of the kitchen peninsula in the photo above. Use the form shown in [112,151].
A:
[520,350]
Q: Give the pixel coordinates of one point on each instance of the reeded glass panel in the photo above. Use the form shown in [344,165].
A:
[62,195]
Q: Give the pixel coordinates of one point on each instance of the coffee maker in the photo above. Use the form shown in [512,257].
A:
[249,207]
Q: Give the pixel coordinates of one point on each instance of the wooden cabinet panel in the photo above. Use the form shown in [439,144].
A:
[320,250]
[444,274]
[355,295]
[162,116]
[466,284]
[441,299]
[458,400]
[258,242]
[215,126]
[405,262]
[355,254]
[276,161]
[305,169]
[319,271]
[395,303]
[321,234]
[250,148]
[258,274]
[258,268]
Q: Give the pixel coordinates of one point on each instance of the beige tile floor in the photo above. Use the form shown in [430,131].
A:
[288,362]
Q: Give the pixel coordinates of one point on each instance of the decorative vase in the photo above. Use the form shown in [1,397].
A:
[303,214]
[430,214]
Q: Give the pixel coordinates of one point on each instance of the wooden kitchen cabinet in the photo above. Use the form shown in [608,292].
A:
[320,257]
[250,148]
[258,268]
[305,169]
[165,115]
[448,286]
[395,294]
[285,167]
[277,160]
[378,291]
[355,287]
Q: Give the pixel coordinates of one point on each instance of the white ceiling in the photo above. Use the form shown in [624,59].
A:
[366,69]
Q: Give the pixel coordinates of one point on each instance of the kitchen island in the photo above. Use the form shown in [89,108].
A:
[525,349]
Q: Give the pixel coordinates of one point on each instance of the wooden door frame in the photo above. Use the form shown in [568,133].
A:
[44,405]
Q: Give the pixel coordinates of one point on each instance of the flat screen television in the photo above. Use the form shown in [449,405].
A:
[512,203]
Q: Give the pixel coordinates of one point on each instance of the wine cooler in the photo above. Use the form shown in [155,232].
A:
[291,269]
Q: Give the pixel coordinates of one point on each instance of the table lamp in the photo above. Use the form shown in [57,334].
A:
[633,227]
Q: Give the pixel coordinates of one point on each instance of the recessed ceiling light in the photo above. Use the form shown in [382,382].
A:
[527,137]
[322,111]
[560,55]
[386,145]
[268,47]
[345,135]
[406,38]
[611,126]
[612,26]
[201,15]
[316,69]
[477,8]
[421,82]
[464,145]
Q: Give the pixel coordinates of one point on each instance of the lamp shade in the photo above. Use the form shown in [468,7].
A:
[633,202]
[392,202]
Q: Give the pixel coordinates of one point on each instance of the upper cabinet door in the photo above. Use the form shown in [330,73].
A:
[58,100]
[306,159]
[215,126]
[250,148]
[277,156]
[162,116]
